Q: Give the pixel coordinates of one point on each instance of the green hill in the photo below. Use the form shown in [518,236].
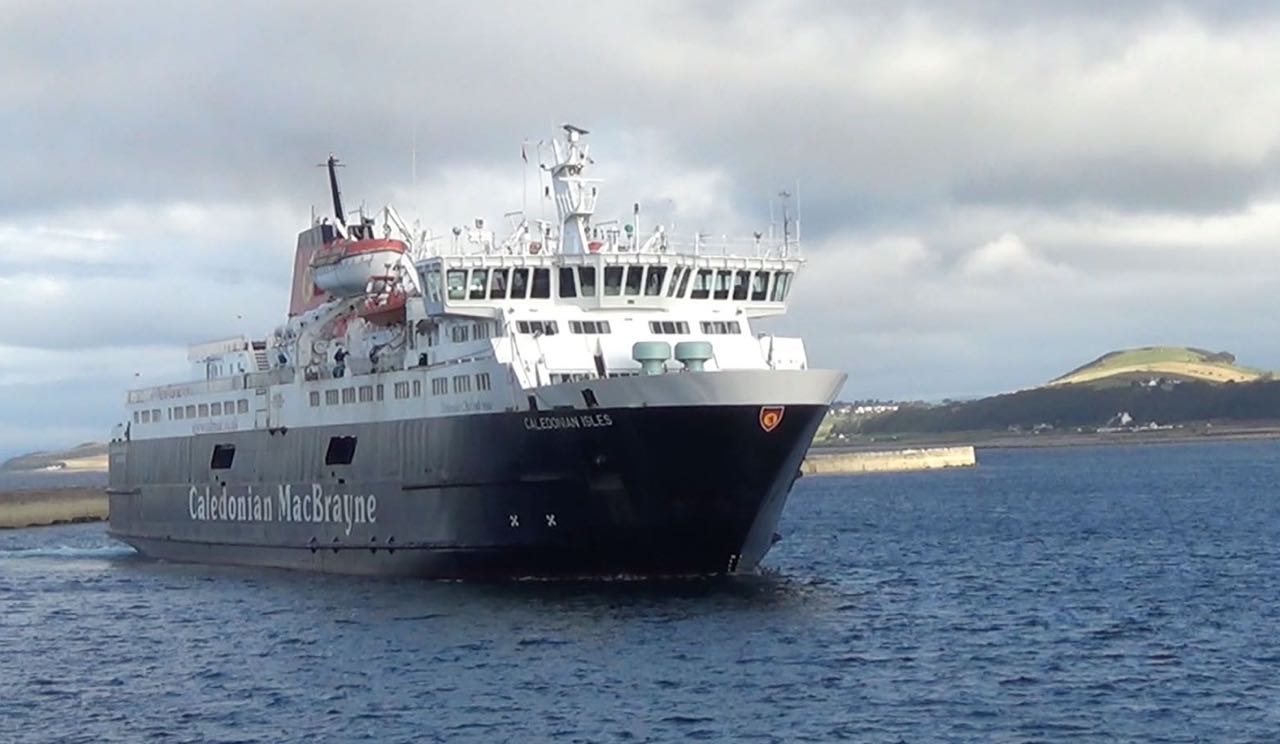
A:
[1170,362]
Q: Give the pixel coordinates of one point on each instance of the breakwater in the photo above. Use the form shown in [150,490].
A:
[890,461]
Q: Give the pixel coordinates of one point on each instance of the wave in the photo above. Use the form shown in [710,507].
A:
[67,551]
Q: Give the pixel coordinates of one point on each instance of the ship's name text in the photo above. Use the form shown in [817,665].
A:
[579,421]
[314,507]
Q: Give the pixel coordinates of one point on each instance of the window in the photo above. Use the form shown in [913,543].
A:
[481,330]
[146,417]
[331,397]
[461,384]
[203,411]
[567,287]
[314,397]
[401,390]
[653,281]
[720,326]
[612,281]
[668,326]
[242,406]
[223,456]
[215,409]
[439,386]
[433,286]
[479,280]
[457,279]
[741,280]
[541,284]
[349,395]
[459,333]
[702,285]
[498,284]
[155,415]
[229,408]
[760,286]
[635,277]
[537,327]
[482,381]
[723,278]
[191,412]
[780,286]
[366,393]
[519,283]
[676,275]
[378,392]
[137,417]
[342,450]
[177,413]
[417,388]
[589,326]
[684,282]
[587,280]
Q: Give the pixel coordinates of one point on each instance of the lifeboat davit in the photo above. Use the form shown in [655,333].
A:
[344,267]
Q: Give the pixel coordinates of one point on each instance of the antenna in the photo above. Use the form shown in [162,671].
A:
[786,221]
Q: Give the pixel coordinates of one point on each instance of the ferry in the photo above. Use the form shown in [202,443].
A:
[572,399]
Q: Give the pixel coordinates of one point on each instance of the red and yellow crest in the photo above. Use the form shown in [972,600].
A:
[771,416]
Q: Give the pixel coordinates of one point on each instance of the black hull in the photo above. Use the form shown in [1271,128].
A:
[620,492]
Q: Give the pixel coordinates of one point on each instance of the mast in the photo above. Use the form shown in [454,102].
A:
[333,165]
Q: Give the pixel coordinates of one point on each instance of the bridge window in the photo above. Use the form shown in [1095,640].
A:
[760,286]
[567,287]
[653,282]
[702,285]
[741,282]
[519,283]
[342,450]
[612,281]
[541,289]
[587,280]
[433,286]
[684,282]
[722,284]
[223,456]
[675,280]
[668,326]
[498,284]
[457,279]
[780,286]
[479,280]
[635,278]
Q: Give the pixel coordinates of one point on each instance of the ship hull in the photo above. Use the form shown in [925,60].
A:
[640,491]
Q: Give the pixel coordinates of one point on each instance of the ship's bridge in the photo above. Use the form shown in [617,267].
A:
[478,284]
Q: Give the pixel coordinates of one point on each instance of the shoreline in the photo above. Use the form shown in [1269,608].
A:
[43,507]
[1004,440]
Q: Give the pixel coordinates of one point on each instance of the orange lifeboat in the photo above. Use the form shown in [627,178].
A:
[345,267]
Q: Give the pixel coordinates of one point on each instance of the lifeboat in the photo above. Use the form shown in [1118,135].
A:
[385,301]
[344,267]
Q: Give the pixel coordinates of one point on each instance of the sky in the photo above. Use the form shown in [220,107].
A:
[989,196]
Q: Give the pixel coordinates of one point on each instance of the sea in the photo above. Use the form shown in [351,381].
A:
[1120,593]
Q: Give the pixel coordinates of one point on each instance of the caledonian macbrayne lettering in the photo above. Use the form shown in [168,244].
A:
[312,507]
[576,421]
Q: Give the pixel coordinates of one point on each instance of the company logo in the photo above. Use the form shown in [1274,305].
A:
[771,416]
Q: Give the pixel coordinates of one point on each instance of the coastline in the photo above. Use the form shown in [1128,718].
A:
[48,506]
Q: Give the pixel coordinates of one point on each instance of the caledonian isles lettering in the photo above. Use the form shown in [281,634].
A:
[314,507]
[581,421]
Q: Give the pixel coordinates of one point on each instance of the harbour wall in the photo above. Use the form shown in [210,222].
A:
[892,461]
